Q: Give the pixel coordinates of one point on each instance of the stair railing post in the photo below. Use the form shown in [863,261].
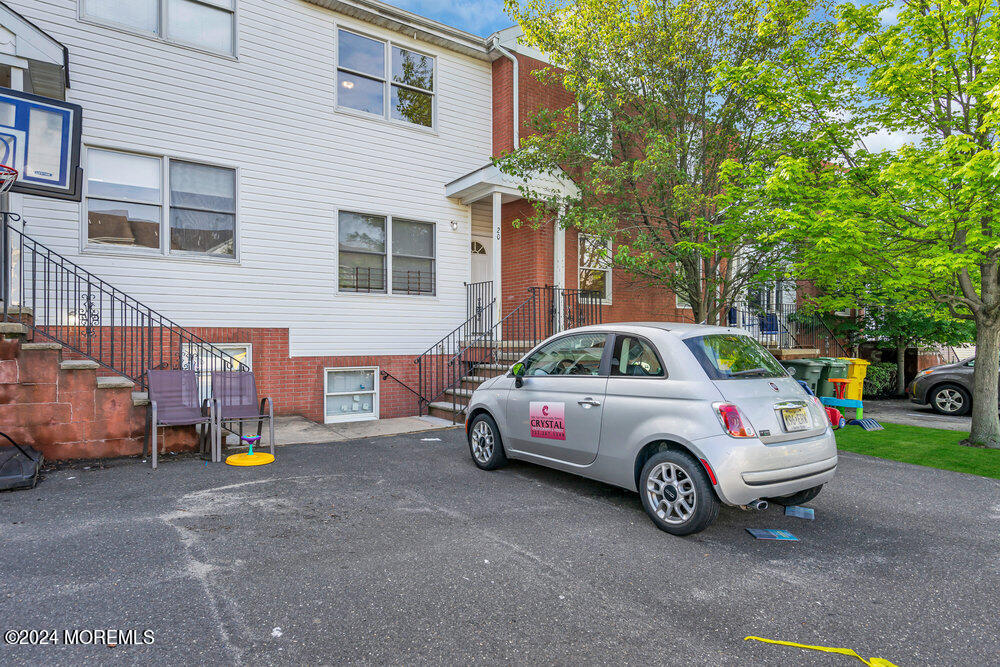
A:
[5,273]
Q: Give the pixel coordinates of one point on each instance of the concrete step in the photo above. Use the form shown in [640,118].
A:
[476,379]
[140,398]
[42,346]
[461,393]
[498,368]
[79,365]
[13,329]
[114,382]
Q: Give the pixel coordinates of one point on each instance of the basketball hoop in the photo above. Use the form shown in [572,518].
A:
[8,176]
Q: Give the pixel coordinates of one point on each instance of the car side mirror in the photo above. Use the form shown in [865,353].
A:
[517,370]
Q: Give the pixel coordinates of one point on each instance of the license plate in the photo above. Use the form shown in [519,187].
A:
[796,419]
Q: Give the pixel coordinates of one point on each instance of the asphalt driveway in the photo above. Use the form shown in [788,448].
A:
[902,411]
[398,550]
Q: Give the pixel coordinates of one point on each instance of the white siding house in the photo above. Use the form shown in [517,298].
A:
[288,161]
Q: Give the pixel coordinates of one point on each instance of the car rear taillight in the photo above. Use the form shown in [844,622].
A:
[733,421]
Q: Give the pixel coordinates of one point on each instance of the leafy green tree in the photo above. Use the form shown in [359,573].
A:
[646,143]
[901,328]
[921,221]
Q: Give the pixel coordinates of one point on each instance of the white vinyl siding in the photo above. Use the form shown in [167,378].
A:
[272,115]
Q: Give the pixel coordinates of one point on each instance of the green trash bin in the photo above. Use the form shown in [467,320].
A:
[806,370]
[832,368]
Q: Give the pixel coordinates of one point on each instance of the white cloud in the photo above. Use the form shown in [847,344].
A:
[886,140]
[890,15]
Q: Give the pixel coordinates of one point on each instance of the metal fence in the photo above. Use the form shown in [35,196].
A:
[64,302]
[480,348]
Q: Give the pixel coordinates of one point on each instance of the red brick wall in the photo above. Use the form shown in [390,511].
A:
[527,255]
[503,113]
[294,383]
[535,95]
[65,415]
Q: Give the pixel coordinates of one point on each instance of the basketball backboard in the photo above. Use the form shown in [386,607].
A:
[40,137]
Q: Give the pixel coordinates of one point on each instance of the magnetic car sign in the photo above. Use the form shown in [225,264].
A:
[547,420]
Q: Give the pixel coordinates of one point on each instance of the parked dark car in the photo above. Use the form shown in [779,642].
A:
[947,388]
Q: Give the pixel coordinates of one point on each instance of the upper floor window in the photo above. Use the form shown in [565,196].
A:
[380,78]
[205,24]
[126,206]
[595,266]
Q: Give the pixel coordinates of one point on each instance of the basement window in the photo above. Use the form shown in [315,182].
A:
[350,394]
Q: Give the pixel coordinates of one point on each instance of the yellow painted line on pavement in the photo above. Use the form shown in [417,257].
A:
[871,662]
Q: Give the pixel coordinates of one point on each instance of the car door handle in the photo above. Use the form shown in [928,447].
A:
[588,402]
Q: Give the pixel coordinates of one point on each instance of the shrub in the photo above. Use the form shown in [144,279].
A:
[880,382]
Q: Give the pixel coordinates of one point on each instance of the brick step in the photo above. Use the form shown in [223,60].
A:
[446,411]
[72,408]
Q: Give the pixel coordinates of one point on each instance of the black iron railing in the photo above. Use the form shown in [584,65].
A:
[568,308]
[66,303]
[373,280]
[477,296]
[477,352]
[784,326]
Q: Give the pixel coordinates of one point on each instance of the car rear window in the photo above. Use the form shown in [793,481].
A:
[732,357]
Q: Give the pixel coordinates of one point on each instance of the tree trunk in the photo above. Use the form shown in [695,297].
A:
[985,419]
[900,367]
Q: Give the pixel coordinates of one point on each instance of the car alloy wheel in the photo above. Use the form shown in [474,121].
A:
[671,493]
[949,400]
[483,442]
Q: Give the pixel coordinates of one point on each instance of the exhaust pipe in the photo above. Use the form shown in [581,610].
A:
[756,505]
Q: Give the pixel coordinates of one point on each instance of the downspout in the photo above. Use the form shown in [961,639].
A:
[517,115]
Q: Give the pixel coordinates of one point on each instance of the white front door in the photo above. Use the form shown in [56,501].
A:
[482,271]
[482,259]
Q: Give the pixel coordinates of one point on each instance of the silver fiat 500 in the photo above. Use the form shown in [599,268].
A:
[689,416]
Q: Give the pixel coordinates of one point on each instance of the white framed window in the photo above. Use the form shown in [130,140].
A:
[209,25]
[350,394]
[595,265]
[203,362]
[367,256]
[379,77]
[125,206]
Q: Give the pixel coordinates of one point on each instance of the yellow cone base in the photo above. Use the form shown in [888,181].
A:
[256,459]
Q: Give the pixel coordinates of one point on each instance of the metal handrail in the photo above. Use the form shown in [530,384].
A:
[91,317]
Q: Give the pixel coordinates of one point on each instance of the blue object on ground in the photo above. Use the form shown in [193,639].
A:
[867,424]
[772,534]
[800,512]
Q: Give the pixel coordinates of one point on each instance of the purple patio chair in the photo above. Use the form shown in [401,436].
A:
[235,393]
[173,401]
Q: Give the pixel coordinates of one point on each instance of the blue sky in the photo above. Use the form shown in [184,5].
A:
[480,17]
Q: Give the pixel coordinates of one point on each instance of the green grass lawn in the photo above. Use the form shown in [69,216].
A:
[930,447]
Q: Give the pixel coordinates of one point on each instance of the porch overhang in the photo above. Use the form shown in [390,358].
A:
[485,181]
[25,46]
